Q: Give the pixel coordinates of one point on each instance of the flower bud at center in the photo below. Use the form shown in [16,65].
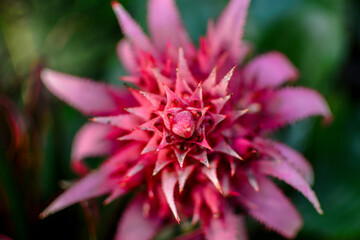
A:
[183,124]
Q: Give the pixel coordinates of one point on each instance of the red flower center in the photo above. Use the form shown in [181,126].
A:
[184,124]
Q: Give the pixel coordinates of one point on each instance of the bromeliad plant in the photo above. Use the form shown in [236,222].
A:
[190,138]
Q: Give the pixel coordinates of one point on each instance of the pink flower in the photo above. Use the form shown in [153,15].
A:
[192,140]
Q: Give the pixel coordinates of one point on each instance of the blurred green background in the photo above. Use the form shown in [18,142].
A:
[321,37]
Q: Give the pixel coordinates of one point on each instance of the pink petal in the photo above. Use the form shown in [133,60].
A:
[89,97]
[235,115]
[164,143]
[168,183]
[134,225]
[127,56]
[270,70]
[222,86]
[172,98]
[184,70]
[297,161]
[90,141]
[165,25]
[211,174]
[117,192]
[183,175]
[204,143]
[137,135]
[210,81]
[162,161]
[296,103]
[230,227]
[230,28]
[219,103]
[270,207]
[127,154]
[216,118]
[252,179]
[161,80]
[225,184]
[154,99]
[281,152]
[94,184]
[181,86]
[291,176]
[197,200]
[123,121]
[224,147]
[196,99]
[181,155]
[201,119]
[136,80]
[137,168]
[151,126]
[140,98]
[142,112]
[152,145]
[202,157]
[213,200]
[131,29]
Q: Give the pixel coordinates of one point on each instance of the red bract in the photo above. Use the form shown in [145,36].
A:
[193,135]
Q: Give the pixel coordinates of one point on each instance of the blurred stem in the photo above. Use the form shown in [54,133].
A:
[90,219]
[16,208]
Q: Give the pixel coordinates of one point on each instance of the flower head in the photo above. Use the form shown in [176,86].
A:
[193,131]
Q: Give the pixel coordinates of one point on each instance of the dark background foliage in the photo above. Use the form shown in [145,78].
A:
[321,37]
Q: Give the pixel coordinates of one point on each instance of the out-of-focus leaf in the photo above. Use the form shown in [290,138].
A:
[16,210]
[311,34]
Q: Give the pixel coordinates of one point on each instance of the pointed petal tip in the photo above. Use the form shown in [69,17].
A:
[118,8]
[131,29]
[115,3]
[165,26]
[43,215]
[106,202]
[222,86]
[229,28]
[207,164]
[320,211]
[47,212]
[291,176]
[218,187]
[168,183]
[46,72]
[328,119]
